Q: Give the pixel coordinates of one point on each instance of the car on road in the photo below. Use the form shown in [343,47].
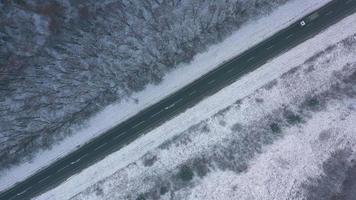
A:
[309,19]
[302,23]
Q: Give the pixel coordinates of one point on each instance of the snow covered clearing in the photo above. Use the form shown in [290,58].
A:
[274,127]
[280,172]
[250,34]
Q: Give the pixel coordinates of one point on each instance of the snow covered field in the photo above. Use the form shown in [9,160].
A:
[241,40]
[271,134]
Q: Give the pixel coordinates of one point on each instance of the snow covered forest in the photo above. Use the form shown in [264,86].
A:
[61,61]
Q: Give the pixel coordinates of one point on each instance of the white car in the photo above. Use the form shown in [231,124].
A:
[302,23]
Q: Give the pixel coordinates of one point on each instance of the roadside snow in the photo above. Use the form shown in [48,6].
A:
[249,35]
[238,90]
[280,172]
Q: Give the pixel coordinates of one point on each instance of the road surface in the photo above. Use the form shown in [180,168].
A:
[155,115]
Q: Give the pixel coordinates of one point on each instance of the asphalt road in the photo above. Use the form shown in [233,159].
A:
[155,115]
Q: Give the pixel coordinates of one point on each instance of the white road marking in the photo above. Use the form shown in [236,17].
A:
[270,47]
[18,194]
[44,179]
[212,81]
[75,161]
[190,94]
[117,136]
[27,189]
[289,36]
[329,13]
[173,104]
[82,156]
[157,113]
[170,106]
[230,70]
[100,146]
[61,169]
[138,124]
[177,101]
[250,59]
[308,24]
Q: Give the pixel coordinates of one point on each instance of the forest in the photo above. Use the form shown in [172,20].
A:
[62,61]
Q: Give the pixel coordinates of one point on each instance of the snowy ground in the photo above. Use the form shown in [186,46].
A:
[272,134]
[241,40]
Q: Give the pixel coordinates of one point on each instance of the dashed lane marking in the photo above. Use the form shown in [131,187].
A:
[190,94]
[18,194]
[329,13]
[61,169]
[289,36]
[97,148]
[250,59]
[157,113]
[211,82]
[138,124]
[44,179]
[117,136]
[270,47]
[179,100]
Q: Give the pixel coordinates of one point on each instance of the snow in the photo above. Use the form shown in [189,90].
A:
[249,35]
[109,168]
[287,164]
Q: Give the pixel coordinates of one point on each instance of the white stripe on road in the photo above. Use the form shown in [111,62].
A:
[250,59]
[100,146]
[270,47]
[289,36]
[177,101]
[82,156]
[230,70]
[44,179]
[18,194]
[329,13]
[27,189]
[173,104]
[75,161]
[117,136]
[156,113]
[138,124]
[190,94]
[61,169]
[211,82]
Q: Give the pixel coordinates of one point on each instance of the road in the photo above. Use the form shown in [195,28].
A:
[188,96]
